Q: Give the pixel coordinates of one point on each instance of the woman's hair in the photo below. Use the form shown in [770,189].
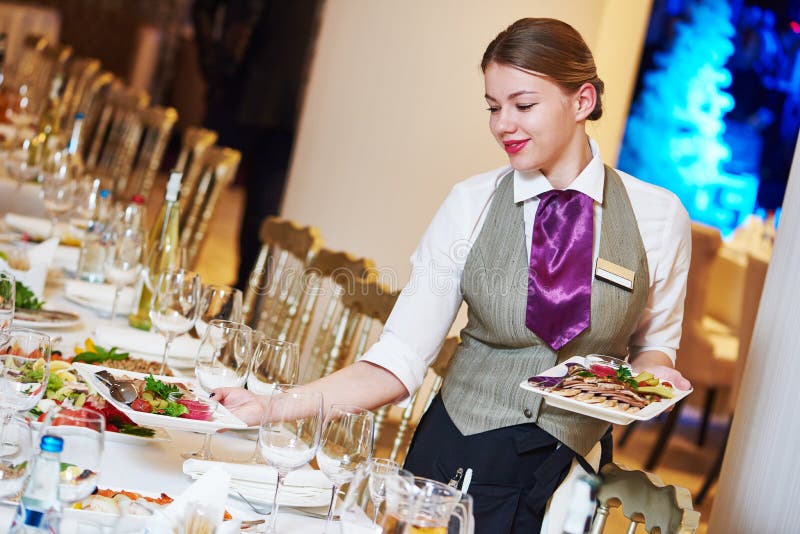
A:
[550,47]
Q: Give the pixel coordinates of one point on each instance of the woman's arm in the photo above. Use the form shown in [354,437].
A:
[361,383]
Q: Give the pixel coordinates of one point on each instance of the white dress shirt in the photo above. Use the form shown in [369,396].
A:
[427,306]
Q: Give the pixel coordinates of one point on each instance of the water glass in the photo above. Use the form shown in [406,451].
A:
[289,435]
[218,302]
[346,444]
[83,432]
[16,453]
[174,306]
[123,260]
[58,187]
[24,370]
[8,295]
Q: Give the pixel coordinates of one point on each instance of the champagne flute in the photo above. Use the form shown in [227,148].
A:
[8,295]
[289,435]
[359,512]
[218,302]
[223,360]
[83,432]
[16,453]
[274,362]
[58,187]
[346,444]
[123,261]
[380,470]
[174,306]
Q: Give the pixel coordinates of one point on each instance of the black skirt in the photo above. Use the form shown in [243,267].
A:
[515,469]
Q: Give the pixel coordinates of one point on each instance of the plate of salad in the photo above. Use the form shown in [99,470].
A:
[164,401]
[30,313]
[604,388]
[66,385]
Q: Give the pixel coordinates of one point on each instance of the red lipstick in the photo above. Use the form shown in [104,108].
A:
[514,146]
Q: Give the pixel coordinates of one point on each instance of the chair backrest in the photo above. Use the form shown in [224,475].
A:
[157,123]
[194,142]
[276,282]
[644,499]
[754,278]
[418,404]
[217,168]
[117,134]
[345,331]
[79,75]
[38,64]
[91,104]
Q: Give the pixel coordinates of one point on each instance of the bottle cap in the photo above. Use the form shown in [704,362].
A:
[52,443]
[174,185]
[105,193]
[78,116]
[137,199]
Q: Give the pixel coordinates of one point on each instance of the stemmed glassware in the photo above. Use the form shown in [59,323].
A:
[223,360]
[24,371]
[18,162]
[16,452]
[58,186]
[8,295]
[274,362]
[346,444]
[289,435]
[174,306]
[218,302]
[380,470]
[123,260]
[83,431]
[360,511]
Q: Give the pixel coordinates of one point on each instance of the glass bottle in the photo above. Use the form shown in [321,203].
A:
[39,509]
[580,512]
[93,246]
[163,252]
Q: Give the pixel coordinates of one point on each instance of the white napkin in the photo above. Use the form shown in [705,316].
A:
[98,296]
[211,490]
[39,258]
[134,340]
[259,480]
[35,227]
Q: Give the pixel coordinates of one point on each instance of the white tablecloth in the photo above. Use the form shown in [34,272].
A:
[155,467]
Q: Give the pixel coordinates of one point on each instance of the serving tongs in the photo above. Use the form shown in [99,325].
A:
[120,390]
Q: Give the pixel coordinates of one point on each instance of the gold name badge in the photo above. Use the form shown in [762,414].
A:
[615,274]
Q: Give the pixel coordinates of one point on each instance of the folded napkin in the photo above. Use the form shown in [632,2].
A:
[38,257]
[35,227]
[209,493]
[303,487]
[134,340]
[99,297]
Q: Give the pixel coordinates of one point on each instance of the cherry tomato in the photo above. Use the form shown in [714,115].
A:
[666,384]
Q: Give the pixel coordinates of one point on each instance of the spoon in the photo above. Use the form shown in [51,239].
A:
[120,390]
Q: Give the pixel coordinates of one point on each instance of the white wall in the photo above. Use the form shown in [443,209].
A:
[395,115]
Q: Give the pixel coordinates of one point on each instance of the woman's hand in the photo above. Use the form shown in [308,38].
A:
[660,365]
[245,405]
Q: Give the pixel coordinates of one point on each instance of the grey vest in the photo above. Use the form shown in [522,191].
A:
[481,391]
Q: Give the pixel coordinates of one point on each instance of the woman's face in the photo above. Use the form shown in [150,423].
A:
[531,117]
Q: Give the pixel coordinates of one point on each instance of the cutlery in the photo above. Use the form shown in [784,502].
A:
[120,390]
[299,511]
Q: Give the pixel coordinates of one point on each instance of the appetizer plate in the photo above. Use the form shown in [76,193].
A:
[222,418]
[593,410]
[160,436]
[45,318]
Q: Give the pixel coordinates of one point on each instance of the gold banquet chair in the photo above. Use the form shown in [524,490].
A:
[80,72]
[216,170]
[275,285]
[91,104]
[417,405]
[157,123]
[194,142]
[645,500]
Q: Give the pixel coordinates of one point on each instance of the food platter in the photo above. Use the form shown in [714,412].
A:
[45,318]
[605,413]
[221,418]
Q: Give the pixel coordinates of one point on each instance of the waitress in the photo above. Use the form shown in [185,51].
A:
[519,245]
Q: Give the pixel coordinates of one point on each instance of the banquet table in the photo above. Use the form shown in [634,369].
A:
[153,467]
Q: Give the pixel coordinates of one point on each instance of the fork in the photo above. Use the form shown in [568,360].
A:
[299,511]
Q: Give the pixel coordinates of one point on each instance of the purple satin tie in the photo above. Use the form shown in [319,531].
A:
[560,273]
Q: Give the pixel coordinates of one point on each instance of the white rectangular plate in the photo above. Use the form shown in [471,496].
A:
[592,410]
[222,417]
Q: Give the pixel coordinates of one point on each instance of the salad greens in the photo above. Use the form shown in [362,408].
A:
[99,354]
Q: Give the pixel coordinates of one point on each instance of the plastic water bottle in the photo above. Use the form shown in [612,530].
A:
[39,509]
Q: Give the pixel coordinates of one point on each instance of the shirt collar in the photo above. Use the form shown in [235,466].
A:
[590,181]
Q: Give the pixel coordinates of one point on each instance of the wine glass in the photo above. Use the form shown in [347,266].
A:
[19,164]
[218,302]
[83,432]
[8,294]
[58,187]
[346,444]
[123,260]
[359,512]
[380,470]
[223,360]
[174,306]
[274,362]
[289,435]
[24,371]
[16,453]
